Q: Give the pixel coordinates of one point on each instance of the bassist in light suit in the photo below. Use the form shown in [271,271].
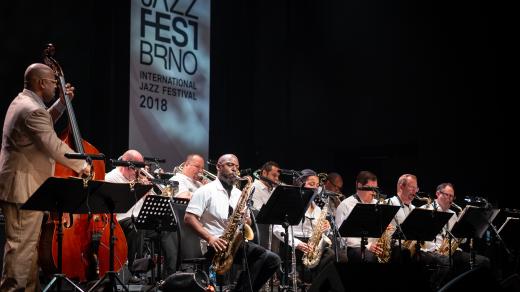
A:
[30,148]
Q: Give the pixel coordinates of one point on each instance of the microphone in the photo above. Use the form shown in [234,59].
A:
[85,156]
[211,162]
[138,164]
[367,188]
[155,159]
[290,172]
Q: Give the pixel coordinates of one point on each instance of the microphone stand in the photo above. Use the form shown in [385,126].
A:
[335,233]
[399,230]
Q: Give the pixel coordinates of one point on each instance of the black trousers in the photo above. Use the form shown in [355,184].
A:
[134,240]
[261,265]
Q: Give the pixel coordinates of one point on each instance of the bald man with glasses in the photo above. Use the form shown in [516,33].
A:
[30,148]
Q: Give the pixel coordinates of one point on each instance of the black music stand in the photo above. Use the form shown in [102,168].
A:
[286,206]
[473,223]
[112,198]
[157,214]
[367,221]
[72,195]
[423,225]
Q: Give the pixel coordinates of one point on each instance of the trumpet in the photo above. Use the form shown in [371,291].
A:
[166,191]
[201,176]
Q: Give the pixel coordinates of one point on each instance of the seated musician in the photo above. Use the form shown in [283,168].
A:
[334,183]
[407,188]
[264,185]
[134,236]
[208,215]
[268,179]
[303,231]
[191,177]
[363,179]
[445,194]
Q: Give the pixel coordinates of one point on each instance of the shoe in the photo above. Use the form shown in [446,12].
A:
[134,280]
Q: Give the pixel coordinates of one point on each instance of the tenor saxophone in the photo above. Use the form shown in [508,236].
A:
[235,232]
[385,243]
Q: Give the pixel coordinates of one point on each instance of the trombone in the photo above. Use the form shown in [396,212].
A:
[204,175]
[257,174]
[167,190]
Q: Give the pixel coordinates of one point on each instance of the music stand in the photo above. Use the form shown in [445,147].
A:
[157,214]
[72,195]
[473,223]
[423,225]
[286,206]
[367,220]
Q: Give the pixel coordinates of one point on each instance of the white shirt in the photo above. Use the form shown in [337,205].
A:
[303,229]
[436,243]
[261,194]
[116,176]
[186,184]
[211,204]
[402,213]
[343,211]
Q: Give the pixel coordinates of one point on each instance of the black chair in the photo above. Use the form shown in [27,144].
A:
[189,253]
[188,242]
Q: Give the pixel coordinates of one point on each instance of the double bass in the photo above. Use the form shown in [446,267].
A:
[86,238]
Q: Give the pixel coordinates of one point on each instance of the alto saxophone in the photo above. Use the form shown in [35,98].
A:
[235,232]
[317,242]
[446,248]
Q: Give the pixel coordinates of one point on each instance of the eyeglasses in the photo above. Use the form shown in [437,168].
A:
[51,80]
[448,195]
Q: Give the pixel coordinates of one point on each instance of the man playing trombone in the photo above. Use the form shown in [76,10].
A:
[265,183]
[134,236]
[190,176]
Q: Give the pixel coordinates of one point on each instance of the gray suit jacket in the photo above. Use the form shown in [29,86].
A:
[30,148]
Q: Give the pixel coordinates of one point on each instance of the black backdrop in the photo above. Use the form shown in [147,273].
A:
[390,86]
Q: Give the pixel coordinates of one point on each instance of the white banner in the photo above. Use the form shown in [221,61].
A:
[169,78]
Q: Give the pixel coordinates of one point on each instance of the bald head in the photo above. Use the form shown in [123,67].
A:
[132,155]
[227,168]
[226,158]
[34,73]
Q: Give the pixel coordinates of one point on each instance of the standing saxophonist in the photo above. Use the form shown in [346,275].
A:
[207,214]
